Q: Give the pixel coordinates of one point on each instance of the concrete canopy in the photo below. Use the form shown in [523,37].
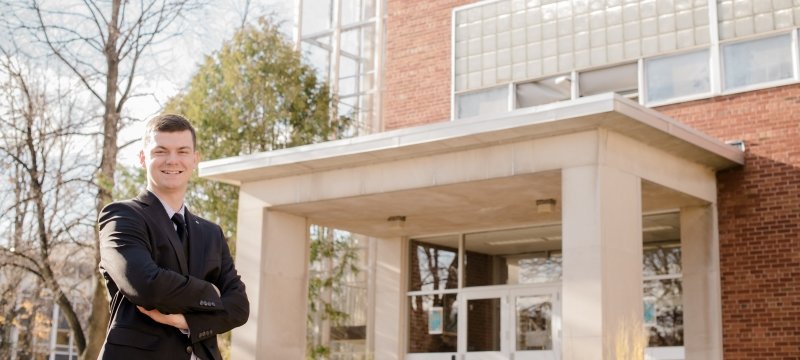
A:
[485,172]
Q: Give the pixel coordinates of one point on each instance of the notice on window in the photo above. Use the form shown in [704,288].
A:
[436,320]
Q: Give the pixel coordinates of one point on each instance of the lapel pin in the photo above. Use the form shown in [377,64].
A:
[197,222]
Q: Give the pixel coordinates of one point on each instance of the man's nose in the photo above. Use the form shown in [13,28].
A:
[172,157]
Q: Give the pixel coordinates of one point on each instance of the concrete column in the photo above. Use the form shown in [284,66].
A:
[272,257]
[602,266]
[249,249]
[702,328]
[389,299]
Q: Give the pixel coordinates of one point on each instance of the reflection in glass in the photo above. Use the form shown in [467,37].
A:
[532,268]
[433,267]
[663,312]
[544,91]
[419,338]
[677,76]
[534,316]
[536,268]
[758,61]
[662,260]
[483,102]
[622,79]
[483,325]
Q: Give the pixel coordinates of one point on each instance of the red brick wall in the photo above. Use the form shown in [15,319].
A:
[759,219]
[418,57]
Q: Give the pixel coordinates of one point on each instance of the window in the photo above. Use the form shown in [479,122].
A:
[758,61]
[621,79]
[433,271]
[491,101]
[544,91]
[677,76]
[528,255]
[663,290]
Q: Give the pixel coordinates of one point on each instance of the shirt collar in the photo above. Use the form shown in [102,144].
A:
[170,211]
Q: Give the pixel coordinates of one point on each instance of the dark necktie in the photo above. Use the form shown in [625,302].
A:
[182,232]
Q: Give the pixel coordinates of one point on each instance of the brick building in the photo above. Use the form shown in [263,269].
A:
[535,175]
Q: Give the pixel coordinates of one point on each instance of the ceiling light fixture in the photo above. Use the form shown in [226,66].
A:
[397,222]
[545,206]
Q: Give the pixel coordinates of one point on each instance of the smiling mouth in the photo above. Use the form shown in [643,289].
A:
[172,172]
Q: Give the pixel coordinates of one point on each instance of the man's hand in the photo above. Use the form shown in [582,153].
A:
[174,320]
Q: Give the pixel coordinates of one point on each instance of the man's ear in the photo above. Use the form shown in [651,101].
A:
[141,159]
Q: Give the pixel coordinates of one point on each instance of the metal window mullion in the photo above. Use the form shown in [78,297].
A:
[378,56]
[641,81]
[334,59]
[54,331]
[662,277]
[298,25]
[432,292]
[574,87]
[462,260]
[795,55]
[453,73]
[715,58]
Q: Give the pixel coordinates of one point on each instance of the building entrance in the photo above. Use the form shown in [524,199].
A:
[510,323]
[503,323]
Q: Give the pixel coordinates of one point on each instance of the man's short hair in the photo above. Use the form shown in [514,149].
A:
[168,123]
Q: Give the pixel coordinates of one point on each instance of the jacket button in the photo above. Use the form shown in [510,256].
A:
[189,349]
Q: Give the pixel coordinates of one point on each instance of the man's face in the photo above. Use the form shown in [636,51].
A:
[170,159]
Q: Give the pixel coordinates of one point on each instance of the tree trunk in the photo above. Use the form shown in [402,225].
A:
[99,317]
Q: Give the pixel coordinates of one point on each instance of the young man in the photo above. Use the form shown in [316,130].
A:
[170,274]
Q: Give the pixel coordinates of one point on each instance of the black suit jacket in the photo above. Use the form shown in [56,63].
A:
[143,263]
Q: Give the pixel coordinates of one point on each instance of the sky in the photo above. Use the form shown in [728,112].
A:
[168,72]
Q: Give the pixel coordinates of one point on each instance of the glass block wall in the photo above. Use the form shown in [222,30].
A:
[739,18]
[510,40]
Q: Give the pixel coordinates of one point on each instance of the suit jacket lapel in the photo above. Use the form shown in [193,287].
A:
[159,214]
[196,247]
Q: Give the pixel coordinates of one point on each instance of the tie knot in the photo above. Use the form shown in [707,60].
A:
[178,219]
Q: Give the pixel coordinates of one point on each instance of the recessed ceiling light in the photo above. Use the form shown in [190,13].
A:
[516,241]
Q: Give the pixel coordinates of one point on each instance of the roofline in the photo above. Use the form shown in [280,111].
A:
[547,120]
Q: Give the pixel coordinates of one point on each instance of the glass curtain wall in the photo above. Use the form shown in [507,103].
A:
[341,39]
[531,255]
[338,301]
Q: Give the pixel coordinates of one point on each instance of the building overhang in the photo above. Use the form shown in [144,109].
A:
[608,111]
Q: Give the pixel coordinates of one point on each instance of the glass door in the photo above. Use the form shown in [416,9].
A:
[484,327]
[510,324]
[536,329]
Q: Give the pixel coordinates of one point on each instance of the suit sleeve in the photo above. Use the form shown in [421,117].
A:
[203,325]
[126,256]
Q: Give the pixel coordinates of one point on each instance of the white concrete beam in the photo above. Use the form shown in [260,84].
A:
[658,166]
[496,161]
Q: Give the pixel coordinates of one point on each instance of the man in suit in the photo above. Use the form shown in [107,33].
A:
[169,273]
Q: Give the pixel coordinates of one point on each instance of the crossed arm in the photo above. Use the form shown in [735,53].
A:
[174,320]
[167,296]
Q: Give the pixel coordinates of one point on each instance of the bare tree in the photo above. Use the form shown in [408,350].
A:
[38,126]
[102,44]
